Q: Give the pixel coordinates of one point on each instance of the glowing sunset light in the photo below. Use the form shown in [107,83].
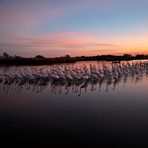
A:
[57,28]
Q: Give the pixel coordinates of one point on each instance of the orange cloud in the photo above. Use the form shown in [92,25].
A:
[75,43]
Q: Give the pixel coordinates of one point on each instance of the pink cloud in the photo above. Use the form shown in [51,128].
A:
[73,43]
[57,44]
[64,39]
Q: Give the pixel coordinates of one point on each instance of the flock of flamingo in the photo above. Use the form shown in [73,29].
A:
[70,75]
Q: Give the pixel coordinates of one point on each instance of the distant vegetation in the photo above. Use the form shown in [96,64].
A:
[6,59]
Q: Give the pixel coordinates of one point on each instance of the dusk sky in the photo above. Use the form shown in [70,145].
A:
[75,27]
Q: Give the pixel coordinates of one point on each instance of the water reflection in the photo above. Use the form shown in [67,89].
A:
[67,87]
[77,78]
[105,110]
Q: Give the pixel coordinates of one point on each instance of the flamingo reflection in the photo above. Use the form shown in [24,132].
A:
[71,78]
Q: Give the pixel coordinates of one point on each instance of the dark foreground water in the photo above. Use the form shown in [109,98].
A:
[105,114]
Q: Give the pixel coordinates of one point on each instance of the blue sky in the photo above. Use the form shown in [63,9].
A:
[80,27]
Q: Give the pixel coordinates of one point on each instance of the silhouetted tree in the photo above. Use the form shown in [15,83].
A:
[5,55]
[140,56]
[127,55]
[67,56]
[39,57]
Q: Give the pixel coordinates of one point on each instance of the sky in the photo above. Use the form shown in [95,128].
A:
[54,28]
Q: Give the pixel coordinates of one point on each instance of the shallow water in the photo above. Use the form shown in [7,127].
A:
[105,113]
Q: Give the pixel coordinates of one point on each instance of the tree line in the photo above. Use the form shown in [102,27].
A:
[7,59]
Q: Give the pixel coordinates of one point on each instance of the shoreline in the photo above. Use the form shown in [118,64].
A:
[40,60]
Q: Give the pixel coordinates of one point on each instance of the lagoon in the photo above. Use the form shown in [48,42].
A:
[102,113]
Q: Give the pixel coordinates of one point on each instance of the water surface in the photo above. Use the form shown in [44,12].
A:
[102,114]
